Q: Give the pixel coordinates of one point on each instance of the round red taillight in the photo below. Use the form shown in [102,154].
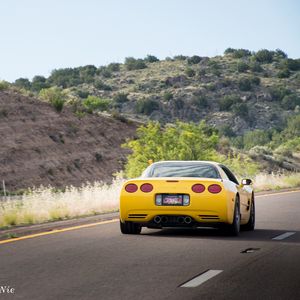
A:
[214,189]
[146,187]
[131,188]
[198,188]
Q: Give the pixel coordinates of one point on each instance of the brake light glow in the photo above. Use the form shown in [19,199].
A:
[214,188]
[131,188]
[198,188]
[146,187]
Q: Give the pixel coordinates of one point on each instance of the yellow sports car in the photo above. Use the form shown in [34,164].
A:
[187,194]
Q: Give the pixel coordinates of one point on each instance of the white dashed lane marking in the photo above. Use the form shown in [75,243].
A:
[196,281]
[283,236]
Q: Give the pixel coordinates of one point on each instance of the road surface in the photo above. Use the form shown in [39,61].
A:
[99,263]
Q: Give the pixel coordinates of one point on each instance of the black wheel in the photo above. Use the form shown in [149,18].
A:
[251,223]
[130,228]
[234,228]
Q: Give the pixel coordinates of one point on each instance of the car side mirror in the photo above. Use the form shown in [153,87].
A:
[246,181]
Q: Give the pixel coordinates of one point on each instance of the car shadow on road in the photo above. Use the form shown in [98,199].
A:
[212,233]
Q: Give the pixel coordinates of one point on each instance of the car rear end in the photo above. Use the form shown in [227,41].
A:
[168,202]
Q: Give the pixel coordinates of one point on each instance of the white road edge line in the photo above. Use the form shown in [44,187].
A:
[201,278]
[283,236]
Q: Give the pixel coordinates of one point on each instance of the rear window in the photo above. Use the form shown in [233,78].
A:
[181,170]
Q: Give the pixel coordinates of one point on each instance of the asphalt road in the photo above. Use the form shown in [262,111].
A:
[99,263]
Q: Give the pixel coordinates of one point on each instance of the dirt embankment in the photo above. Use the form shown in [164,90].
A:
[39,146]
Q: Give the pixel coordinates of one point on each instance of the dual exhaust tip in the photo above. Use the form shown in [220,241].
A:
[180,220]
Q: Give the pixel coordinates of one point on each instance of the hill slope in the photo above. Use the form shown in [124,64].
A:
[41,146]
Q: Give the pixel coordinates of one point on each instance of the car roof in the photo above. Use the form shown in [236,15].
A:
[188,161]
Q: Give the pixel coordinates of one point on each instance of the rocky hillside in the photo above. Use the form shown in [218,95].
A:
[236,92]
[41,146]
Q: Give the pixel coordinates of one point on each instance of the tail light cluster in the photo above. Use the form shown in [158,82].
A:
[200,188]
[132,188]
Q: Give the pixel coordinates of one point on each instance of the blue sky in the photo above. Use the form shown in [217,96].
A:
[38,36]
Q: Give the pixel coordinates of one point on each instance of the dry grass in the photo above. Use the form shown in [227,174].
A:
[43,204]
[266,182]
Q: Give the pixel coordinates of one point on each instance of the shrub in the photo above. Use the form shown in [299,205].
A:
[292,64]
[244,84]
[242,67]
[92,103]
[66,77]
[55,96]
[255,67]
[168,96]
[226,103]
[113,67]
[264,56]
[100,85]
[237,53]
[256,137]
[195,59]
[180,141]
[190,72]
[39,83]
[255,80]
[240,109]
[87,73]
[226,130]
[104,72]
[146,106]
[289,102]
[284,73]
[180,57]
[280,53]
[151,59]
[4,85]
[82,94]
[120,98]
[200,101]
[134,64]
[279,92]
[23,83]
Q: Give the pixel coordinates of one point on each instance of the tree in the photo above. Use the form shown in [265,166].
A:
[39,83]
[179,141]
[151,59]
[195,59]
[23,83]
[134,64]
[264,56]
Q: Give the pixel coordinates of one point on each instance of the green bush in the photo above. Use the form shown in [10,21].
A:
[93,103]
[23,83]
[255,80]
[289,102]
[256,137]
[226,130]
[226,103]
[190,72]
[168,96]
[134,64]
[242,67]
[255,67]
[200,101]
[104,72]
[237,53]
[82,94]
[146,106]
[292,64]
[100,85]
[113,67]
[244,84]
[279,53]
[179,141]
[264,56]
[240,109]
[64,78]
[55,96]
[180,57]
[4,85]
[151,59]
[284,73]
[279,92]
[195,59]
[39,83]
[120,98]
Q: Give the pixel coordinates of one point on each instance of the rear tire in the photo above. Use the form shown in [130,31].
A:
[130,228]
[251,223]
[234,228]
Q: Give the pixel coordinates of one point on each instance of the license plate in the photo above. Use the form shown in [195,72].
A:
[172,200]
